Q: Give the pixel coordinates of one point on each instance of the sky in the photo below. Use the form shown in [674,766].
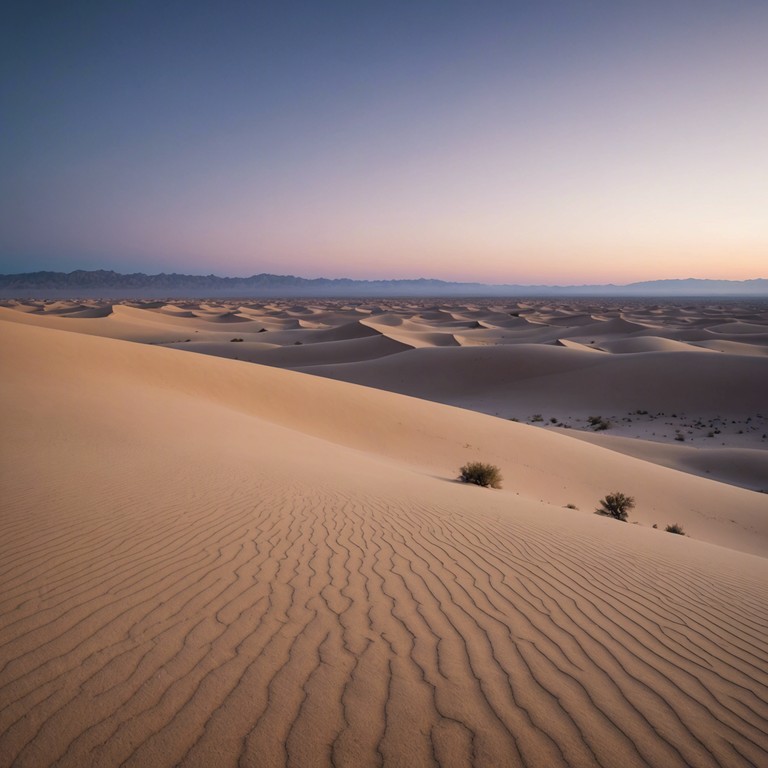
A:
[509,142]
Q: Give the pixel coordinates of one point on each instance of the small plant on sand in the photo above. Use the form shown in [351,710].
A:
[571,506]
[478,473]
[598,423]
[675,528]
[616,505]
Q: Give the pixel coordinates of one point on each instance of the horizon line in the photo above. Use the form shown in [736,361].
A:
[386,279]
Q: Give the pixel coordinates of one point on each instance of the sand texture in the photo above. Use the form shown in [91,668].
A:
[210,561]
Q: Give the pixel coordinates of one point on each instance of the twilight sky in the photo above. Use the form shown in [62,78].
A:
[521,142]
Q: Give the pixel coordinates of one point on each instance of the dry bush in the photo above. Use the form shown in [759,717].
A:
[478,473]
[616,505]
[675,528]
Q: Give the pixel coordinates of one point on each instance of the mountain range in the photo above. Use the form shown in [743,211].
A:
[108,284]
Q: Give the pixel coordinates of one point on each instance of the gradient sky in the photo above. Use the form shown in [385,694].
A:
[537,142]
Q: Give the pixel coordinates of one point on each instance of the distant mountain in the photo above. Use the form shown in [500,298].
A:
[696,287]
[108,284]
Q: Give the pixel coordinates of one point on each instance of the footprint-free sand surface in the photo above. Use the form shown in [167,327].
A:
[260,556]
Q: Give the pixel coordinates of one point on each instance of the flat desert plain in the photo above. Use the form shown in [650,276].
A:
[260,555]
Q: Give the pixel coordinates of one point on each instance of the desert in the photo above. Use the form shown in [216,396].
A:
[233,534]
[384,385]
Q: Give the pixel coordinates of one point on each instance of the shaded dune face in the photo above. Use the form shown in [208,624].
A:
[212,562]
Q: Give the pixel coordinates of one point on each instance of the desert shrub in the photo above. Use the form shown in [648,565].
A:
[616,505]
[598,423]
[571,506]
[537,417]
[235,339]
[478,473]
[675,528]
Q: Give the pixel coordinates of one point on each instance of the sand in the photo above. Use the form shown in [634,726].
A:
[208,561]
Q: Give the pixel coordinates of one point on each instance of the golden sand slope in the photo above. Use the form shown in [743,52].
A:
[206,562]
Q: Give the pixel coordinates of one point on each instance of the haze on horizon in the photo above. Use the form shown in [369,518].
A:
[546,142]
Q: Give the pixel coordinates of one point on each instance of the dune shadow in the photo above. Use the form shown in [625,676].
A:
[443,478]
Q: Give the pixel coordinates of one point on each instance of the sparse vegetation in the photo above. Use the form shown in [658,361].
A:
[616,505]
[479,473]
[236,339]
[675,528]
[537,417]
[598,423]
[571,506]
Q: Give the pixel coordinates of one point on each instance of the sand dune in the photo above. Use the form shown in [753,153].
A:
[302,355]
[740,328]
[701,398]
[210,562]
[647,344]
[148,327]
[607,327]
[174,311]
[354,330]
[735,347]
[228,318]
[744,467]
[521,321]
[531,376]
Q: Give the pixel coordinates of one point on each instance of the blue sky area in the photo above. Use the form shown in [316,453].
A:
[542,142]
